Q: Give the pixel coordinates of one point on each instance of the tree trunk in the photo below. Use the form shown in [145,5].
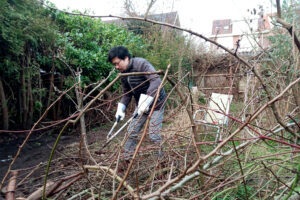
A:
[296,89]
[24,109]
[4,106]
[181,53]
[40,94]
[51,81]
[79,96]
[80,106]
[59,110]
[30,104]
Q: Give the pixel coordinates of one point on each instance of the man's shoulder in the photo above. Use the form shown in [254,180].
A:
[139,60]
[139,63]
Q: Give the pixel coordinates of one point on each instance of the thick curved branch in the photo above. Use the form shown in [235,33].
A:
[290,29]
[286,25]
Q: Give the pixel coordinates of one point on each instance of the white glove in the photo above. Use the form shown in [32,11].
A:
[144,103]
[120,114]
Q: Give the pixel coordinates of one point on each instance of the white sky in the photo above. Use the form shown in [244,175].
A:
[196,15]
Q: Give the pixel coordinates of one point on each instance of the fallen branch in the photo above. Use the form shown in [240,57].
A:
[53,188]
[11,186]
[112,173]
[38,193]
[63,187]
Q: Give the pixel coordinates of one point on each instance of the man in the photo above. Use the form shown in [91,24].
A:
[143,88]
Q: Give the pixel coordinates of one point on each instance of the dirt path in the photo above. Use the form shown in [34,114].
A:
[37,150]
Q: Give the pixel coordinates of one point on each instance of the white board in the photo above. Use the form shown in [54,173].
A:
[219,102]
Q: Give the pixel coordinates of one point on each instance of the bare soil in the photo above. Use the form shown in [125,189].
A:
[36,153]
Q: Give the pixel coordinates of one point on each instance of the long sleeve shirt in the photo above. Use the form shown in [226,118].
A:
[143,84]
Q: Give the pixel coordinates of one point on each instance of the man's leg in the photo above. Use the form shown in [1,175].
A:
[134,128]
[155,127]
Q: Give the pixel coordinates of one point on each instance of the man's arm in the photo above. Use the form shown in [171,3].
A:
[126,98]
[154,79]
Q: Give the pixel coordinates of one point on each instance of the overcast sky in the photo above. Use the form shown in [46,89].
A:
[193,14]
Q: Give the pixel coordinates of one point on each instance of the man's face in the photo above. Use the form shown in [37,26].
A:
[120,64]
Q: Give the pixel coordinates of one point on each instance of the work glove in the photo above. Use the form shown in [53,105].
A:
[144,103]
[120,114]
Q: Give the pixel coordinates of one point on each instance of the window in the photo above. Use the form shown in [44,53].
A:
[226,27]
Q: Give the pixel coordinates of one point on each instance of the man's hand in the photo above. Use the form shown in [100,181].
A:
[120,114]
[144,103]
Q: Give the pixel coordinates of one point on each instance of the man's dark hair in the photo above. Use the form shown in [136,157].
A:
[118,51]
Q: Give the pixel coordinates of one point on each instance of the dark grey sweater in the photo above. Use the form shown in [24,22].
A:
[144,84]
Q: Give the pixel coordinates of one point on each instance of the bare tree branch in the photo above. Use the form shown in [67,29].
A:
[286,25]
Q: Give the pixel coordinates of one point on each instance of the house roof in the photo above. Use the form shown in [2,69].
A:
[170,18]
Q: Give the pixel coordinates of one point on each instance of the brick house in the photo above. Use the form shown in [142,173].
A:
[249,35]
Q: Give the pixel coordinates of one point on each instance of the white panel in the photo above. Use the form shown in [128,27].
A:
[219,102]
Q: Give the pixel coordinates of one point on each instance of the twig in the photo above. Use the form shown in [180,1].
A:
[79,194]
[68,185]
[149,7]
[190,114]
[289,116]
[101,83]
[137,185]
[294,184]
[112,173]
[278,179]
[241,168]
[93,194]
[32,171]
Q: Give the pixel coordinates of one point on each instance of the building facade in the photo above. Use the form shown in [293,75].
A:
[241,35]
